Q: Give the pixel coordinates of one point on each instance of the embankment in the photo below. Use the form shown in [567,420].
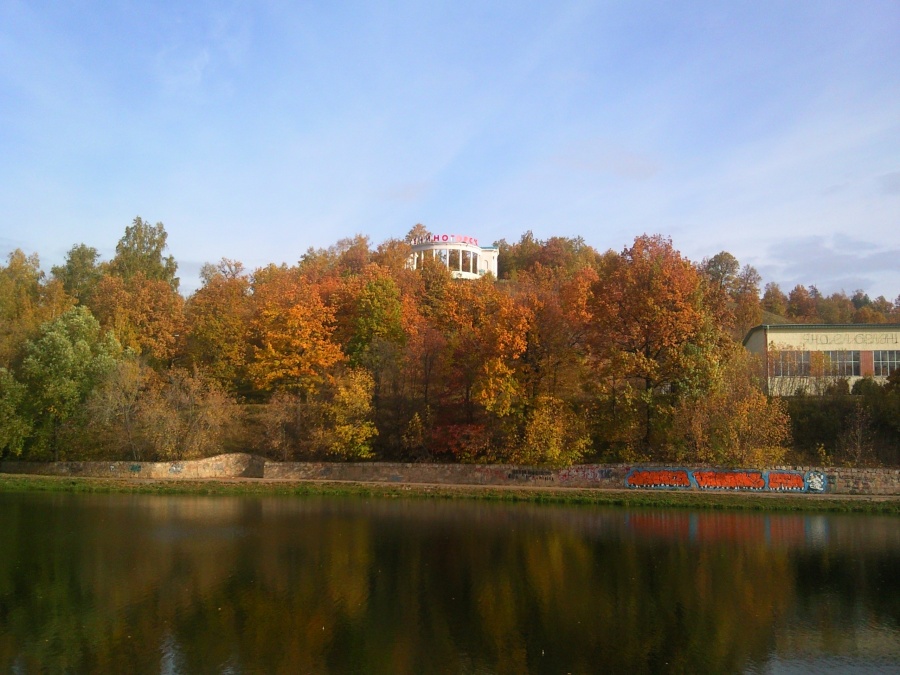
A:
[775,480]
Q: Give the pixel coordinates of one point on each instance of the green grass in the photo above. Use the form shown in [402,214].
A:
[625,498]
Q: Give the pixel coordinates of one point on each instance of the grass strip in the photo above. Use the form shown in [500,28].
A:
[736,501]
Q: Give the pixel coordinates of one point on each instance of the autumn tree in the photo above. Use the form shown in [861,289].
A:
[801,305]
[146,315]
[290,333]
[371,328]
[352,254]
[217,323]
[722,270]
[418,231]
[868,314]
[186,415]
[376,317]
[485,334]
[116,405]
[333,422]
[740,285]
[747,306]
[558,253]
[554,434]
[556,304]
[393,255]
[730,420]
[653,327]
[774,300]
[519,256]
[27,300]
[883,306]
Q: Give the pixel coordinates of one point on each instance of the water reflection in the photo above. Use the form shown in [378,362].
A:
[245,585]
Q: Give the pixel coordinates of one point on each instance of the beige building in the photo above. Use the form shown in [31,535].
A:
[810,357]
[461,254]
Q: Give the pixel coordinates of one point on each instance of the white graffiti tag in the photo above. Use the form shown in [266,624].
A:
[815,481]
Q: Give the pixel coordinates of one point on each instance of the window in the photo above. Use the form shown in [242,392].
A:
[886,362]
[467,261]
[790,364]
[842,364]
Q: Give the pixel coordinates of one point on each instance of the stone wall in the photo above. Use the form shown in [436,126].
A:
[237,465]
[609,476]
[451,474]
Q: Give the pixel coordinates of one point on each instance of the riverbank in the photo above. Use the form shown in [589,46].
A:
[741,501]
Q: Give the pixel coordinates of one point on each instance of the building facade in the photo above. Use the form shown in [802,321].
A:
[460,254]
[812,357]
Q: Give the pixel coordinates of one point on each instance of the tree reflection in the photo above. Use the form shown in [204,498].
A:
[112,584]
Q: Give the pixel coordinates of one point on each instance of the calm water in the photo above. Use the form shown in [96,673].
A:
[145,584]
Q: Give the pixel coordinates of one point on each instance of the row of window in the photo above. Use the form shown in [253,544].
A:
[833,363]
[454,259]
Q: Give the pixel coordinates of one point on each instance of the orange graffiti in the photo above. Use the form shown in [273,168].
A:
[785,481]
[659,478]
[730,480]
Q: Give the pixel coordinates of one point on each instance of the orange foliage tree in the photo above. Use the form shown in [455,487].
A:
[652,325]
[146,315]
[290,333]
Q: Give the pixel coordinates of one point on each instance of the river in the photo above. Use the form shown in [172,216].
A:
[175,584]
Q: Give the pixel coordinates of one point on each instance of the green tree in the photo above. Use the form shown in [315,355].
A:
[378,317]
[15,426]
[80,273]
[61,368]
[141,250]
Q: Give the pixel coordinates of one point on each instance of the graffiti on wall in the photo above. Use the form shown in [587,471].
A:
[658,478]
[724,479]
[530,474]
[730,480]
[584,473]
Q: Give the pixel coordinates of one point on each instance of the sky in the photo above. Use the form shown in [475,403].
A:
[256,130]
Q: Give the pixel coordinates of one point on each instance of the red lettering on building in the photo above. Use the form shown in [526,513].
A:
[446,238]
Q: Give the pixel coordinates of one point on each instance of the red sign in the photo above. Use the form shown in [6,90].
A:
[446,239]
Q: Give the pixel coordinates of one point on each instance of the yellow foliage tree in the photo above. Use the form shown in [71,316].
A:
[732,422]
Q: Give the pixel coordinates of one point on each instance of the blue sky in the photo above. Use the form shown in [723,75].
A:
[254,130]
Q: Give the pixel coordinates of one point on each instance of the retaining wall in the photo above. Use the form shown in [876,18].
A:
[237,465]
[606,476]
